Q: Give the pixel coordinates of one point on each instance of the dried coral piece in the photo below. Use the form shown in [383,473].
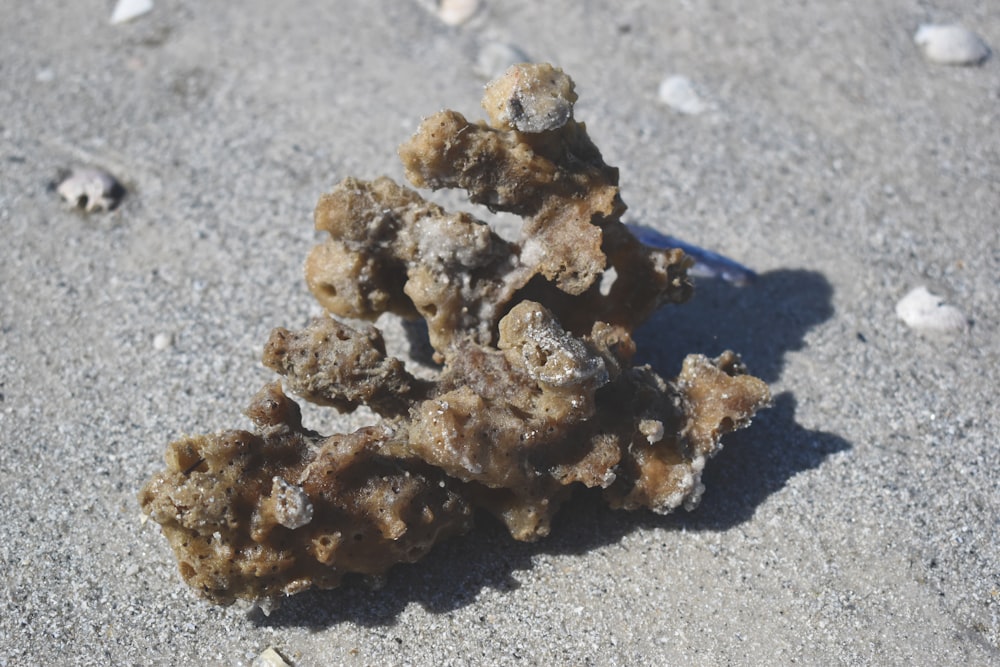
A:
[391,251]
[555,177]
[536,394]
[330,363]
[257,515]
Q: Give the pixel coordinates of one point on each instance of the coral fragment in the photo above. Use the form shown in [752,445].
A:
[536,393]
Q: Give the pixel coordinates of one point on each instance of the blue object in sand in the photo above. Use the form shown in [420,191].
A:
[707,264]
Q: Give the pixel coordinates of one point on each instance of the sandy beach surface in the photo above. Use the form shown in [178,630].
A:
[856,522]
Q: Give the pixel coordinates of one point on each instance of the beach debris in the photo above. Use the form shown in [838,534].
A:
[126,10]
[678,93]
[707,263]
[928,313]
[951,45]
[453,12]
[269,658]
[162,341]
[536,394]
[90,189]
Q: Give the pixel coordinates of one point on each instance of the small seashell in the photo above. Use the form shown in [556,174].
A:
[162,341]
[925,312]
[951,45]
[456,12]
[126,10]
[678,94]
[91,189]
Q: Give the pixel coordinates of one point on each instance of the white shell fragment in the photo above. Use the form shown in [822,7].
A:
[91,189]
[126,10]
[269,658]
[678,94]
[652,429]
[162,341]
[951,45]
[925,312]
[456,12]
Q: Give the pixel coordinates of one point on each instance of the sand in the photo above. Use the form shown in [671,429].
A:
[856,522]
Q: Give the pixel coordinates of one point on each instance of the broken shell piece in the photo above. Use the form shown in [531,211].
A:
[928,313]
[91,189]
[126,10]
[162,341]
[951,45]
[455,12]
[678,94]
[269,658]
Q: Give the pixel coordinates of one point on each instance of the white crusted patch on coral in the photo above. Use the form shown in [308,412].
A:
[292,508]
[530,98]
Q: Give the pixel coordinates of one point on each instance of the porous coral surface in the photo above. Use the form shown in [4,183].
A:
[535,395]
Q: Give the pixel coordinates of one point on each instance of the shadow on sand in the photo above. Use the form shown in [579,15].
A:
[762,321]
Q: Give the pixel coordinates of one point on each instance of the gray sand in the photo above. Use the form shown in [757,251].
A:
[855,523]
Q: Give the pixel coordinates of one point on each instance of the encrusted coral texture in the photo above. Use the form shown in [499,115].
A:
[535,395]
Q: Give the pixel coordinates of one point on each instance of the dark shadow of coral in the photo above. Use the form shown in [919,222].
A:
[757,463]
[763,321]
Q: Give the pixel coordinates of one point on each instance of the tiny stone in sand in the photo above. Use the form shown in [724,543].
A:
[678,94]
[456,12]
[162,341]
[91,189]
[951,45]
[126,10]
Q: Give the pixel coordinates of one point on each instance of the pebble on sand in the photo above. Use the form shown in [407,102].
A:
[678,94]
[456,12]
[91,189]
[162,341]
[928,313]
[951,45]
[269,658]
[126,10]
